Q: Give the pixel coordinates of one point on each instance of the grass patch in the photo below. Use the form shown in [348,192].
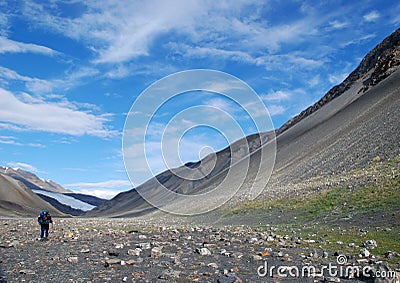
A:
[379,193]
[382,196]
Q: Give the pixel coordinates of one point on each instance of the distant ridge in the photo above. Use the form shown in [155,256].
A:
[18,200]
[377,65]
[23,193]
[32,181]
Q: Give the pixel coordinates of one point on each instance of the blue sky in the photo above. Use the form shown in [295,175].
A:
[71,70]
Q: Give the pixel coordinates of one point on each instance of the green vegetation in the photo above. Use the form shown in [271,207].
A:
[366,197]
[379,192]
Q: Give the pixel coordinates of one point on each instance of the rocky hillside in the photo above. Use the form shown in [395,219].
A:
[376,66]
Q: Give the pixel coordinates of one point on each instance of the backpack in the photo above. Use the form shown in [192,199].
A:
[44,217]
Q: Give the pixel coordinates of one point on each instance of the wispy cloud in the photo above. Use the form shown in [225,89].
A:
[40,115]
[24,166]
[371,16]
[277,96]
[358,40]
[104,184]
[13,141]
[42,86]
[120,31]
[33,84]
[276,109]
[11,46]
[4,25]
[336,24]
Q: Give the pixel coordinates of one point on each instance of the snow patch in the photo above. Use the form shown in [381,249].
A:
[67,200]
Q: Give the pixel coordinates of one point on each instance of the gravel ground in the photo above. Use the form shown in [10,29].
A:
[127,250]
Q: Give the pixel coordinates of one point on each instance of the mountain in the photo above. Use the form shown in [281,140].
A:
[183,180]
[32,181]
[18,200]
[92,200]
[380,63]
[351,124]
[65,208]
[19,186]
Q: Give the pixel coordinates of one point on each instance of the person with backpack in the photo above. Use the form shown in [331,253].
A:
[44,220]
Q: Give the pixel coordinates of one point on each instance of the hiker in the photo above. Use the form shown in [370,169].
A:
[44,220]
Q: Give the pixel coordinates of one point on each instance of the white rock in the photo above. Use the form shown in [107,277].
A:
[364,253]
[119,246]
[135,252]
[156,252]
[212,265]
[203,251]
[370,244]
[73,259]
[144,246]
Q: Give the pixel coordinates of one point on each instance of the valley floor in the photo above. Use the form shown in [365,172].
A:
[322,232]
[127,250]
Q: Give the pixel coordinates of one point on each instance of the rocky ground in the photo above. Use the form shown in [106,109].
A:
[326,231]
[127,250]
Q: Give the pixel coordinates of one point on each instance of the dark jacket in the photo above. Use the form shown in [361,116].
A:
[44,218]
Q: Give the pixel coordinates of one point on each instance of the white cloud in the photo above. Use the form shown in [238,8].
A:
[24,166]
[32,84]
[357,41]
[11,46]
[37,85]
[12,75]
[204,52]
[372,16]
[4,24]
[270,61]
[101,193]
[105,189]
[118,72]
[276,109]
[40,115]
[9,140]
[314,81]
[105,184]
[121,31]
[338,24]
[277,96]
[118,31]
[222,104]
